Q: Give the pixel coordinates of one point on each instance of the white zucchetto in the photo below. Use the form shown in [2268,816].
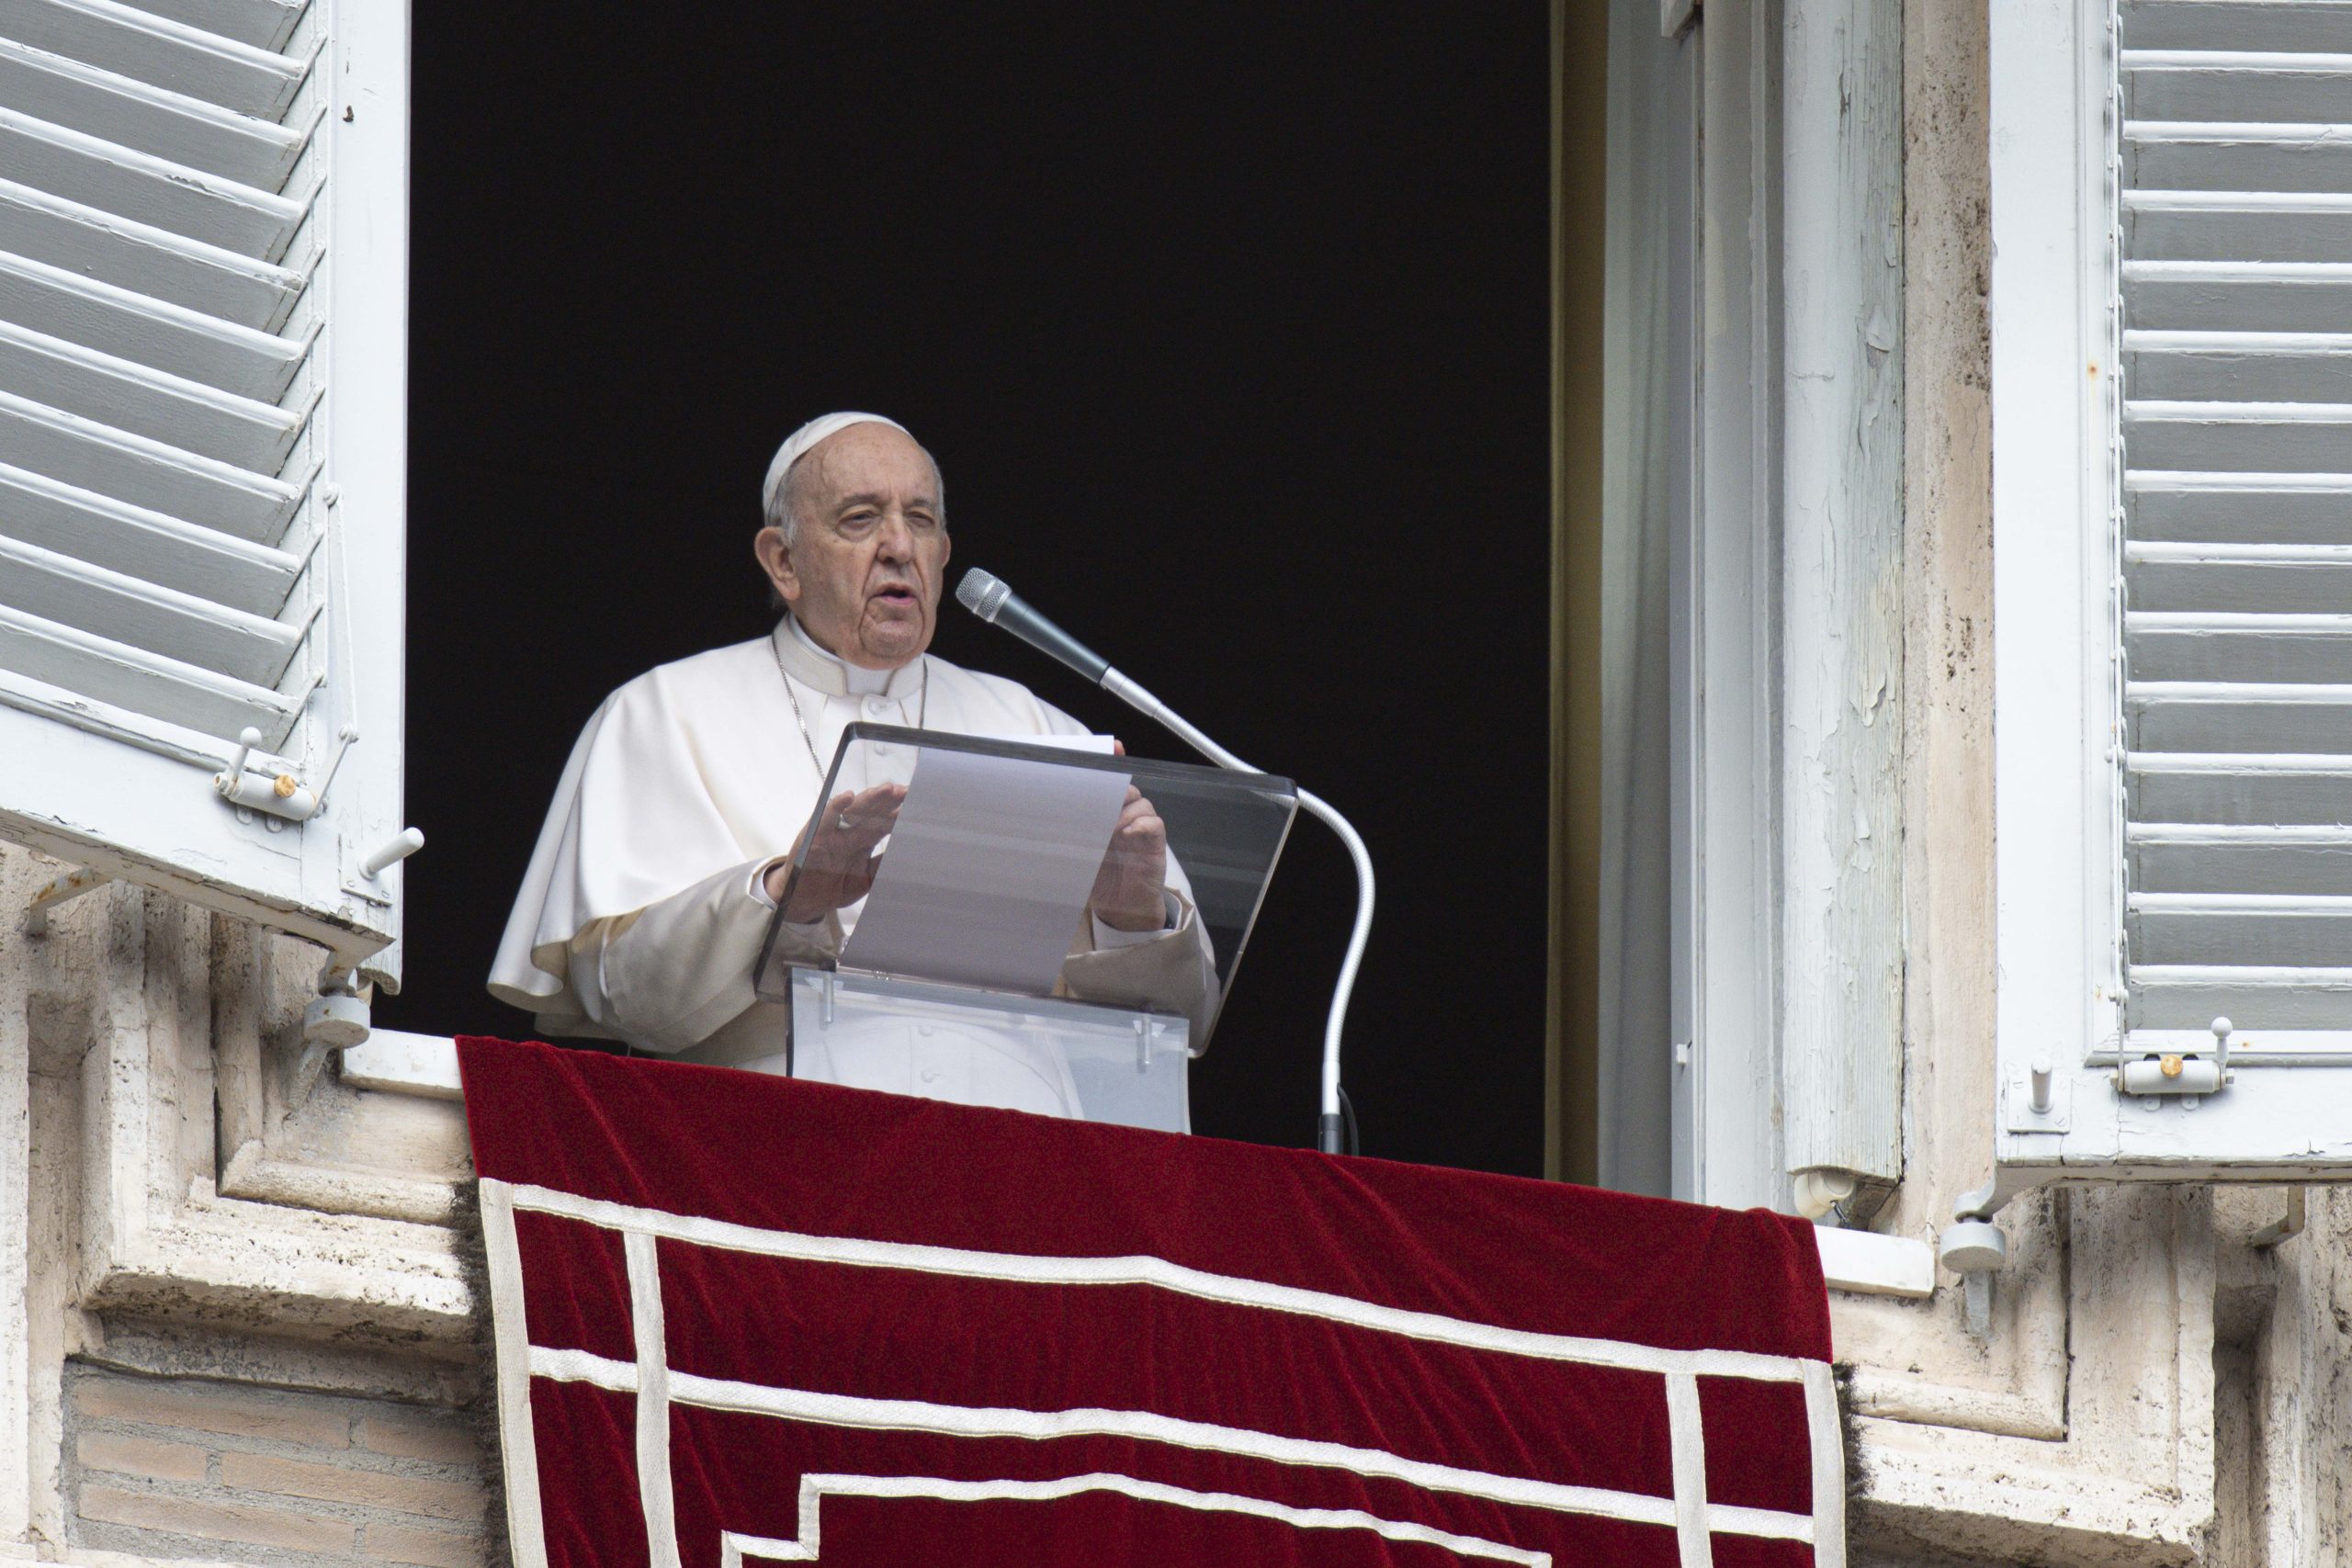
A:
[797,444]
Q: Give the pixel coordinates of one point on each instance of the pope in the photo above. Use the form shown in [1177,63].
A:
[658,874]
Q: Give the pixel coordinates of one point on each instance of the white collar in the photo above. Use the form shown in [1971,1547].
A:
[810,665]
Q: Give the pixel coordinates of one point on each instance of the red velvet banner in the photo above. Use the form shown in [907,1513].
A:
[744,1320]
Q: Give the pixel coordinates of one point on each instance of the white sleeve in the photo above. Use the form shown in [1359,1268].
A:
[1169,970]
[674,972]
[1107,937]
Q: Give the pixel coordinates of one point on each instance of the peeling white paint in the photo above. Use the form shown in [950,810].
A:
[1842,996]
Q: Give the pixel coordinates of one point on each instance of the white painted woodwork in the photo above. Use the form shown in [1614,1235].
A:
[264,23]
[254,649]
[1724,594]
[144,472]
[108,247]
[2233,25]
[1841,1028]
[202,407]
[2171,315]
[146,331]
[113,535]
[146,118]
[1646,490]
[2253,296]
[124,395]
[148,190]
[135,42]
[115,671]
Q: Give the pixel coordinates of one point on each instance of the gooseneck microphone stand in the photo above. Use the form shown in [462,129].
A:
[987,596]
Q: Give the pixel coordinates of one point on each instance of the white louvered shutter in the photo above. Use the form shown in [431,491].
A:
[203,278]
[2218,712]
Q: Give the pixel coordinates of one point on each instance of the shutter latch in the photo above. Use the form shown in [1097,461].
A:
[2179,1072]
[278,796]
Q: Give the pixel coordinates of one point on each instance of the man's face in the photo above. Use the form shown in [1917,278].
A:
[863,572]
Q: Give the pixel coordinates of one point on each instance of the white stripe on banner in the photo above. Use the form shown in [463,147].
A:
[1158,1272]
[1687,1434]
[1828,1434]
[1147,1426]
[651,1336]
[517,1445]
[814,1489]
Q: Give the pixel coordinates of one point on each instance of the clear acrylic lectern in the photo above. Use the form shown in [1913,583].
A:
[965,958]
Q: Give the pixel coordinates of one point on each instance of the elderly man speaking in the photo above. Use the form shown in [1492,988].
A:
[657,875]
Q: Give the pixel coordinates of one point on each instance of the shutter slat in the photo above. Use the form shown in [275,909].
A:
[264,23]
[233,572]
[2237,226]
[2253,155]
[2220,646]
[2190,997]
[147,118]
[2216,86]
[2238,508]
[123,396]
[2176,794]
[2229,437]
[2256,367]
[58,588]
[147,260]
[139,682]
[147,189]
[149,332]
[2251,296]
[2277,931]
[146,473]
[2208,859]
[2286,579]
[2238,25]
[2216,716]
[160,51]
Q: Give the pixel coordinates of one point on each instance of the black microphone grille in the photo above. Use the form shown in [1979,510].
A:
[982,593]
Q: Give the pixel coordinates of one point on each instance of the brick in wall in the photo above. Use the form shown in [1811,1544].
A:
[199,1468]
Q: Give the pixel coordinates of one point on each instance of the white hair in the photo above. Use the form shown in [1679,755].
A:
[779,495]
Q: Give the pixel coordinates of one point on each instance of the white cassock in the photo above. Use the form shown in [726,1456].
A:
[645,907]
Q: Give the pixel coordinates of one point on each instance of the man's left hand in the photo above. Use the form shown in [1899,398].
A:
[1130,891]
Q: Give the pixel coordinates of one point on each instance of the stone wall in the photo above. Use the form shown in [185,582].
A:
[237,1295]
[196,1467]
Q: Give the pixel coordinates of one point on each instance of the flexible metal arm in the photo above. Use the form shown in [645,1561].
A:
[1135,696]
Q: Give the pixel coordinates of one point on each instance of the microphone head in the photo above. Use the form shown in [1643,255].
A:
[982,593]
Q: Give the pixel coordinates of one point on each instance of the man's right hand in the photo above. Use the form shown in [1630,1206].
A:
[842,863]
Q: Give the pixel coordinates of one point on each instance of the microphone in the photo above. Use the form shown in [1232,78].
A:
[985,594]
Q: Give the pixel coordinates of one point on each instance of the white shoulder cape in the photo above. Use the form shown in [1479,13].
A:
[698,766]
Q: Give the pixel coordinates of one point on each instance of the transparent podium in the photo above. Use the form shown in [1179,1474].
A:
[972,924]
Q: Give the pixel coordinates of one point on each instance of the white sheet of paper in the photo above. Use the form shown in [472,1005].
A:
[989,868]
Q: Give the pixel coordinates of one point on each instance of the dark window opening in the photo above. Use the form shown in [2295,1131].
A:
[1228,326]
